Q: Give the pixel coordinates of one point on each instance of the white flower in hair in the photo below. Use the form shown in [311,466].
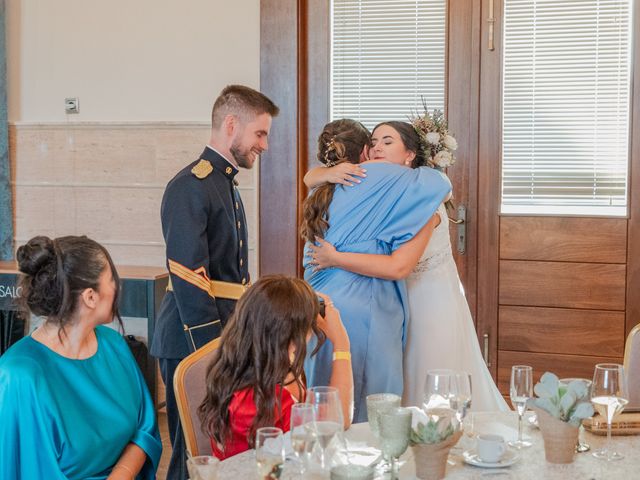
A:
[433,138]
[449,142]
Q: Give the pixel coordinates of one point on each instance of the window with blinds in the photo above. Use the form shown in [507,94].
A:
[386,55]
[565,125]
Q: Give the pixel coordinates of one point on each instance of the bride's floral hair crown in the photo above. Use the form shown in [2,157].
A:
[438,144]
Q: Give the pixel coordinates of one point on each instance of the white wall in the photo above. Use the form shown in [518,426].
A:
[128,60]
[146,73]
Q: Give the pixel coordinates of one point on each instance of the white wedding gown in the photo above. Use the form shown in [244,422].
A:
[440,332]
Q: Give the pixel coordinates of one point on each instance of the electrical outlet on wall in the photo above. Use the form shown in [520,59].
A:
[71,105]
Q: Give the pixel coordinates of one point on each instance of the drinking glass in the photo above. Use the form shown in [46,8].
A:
[581,445]
[302,433]
[520,391]
[437,390]
[609,396]
[377,403]
[395,430]
[203,467]
[460,394]
[269,452]
[327,417]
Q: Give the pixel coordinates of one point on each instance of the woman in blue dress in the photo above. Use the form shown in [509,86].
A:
[73,402]
[386,214]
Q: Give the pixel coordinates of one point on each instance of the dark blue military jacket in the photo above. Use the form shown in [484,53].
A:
[205,230]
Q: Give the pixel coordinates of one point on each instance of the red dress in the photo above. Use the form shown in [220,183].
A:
[242,411]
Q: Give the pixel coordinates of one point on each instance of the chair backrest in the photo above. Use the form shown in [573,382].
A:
[632,366]
[189,386]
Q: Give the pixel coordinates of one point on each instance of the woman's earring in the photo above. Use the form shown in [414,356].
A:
[407,162]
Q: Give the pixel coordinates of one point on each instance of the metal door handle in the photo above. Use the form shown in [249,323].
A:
[485,350]
[461,234]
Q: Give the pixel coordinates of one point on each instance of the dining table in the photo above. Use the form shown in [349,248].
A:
[530,463]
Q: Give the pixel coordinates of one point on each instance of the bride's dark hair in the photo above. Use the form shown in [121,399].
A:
[410,139]
[340,141]
[273,314]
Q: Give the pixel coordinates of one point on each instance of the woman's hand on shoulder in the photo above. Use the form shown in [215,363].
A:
[323,255]
[344,173]
[332,325]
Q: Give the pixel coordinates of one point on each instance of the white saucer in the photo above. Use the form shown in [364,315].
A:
[509,458]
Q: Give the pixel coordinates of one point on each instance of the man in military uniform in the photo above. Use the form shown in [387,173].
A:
[205,230]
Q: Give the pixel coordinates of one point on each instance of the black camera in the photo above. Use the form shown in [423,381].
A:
[321,306]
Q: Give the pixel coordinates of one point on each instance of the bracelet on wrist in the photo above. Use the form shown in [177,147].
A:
[341,355]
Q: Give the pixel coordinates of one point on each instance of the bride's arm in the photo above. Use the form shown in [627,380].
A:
[344,173]
[396,266]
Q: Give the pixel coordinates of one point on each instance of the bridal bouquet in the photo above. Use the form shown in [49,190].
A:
[437,143]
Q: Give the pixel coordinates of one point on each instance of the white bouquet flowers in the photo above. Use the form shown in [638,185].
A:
[437,143]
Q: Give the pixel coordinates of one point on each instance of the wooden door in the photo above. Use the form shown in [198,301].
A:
[558,293]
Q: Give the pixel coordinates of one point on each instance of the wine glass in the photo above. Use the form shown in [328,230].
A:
[327,417]
[437,390]
[301,432]
[581,445]
[520,391]
[395,430]
[609,396]
[460,394]
[269,452]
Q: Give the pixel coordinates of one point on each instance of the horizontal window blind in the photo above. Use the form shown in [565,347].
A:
[565,124]
[385,56]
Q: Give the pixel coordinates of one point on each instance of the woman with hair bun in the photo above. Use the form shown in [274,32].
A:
[388,213]
[73,402]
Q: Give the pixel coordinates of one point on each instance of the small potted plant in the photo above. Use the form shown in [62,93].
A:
[560,409]
[433,433]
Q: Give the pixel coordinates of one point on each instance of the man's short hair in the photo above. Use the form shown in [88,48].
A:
[242,101]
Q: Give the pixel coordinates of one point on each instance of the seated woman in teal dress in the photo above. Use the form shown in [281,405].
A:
[388,212]
[257,373]
[73,402]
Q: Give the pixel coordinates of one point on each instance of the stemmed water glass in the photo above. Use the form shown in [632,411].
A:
[609,396]
[395,430]
[521,390]
[302,433]
[269,452]
[378,403]
[327,417]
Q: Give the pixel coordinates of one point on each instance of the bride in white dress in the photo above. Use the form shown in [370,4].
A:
[440,331]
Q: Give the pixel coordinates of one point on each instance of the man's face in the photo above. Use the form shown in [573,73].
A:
[251,140]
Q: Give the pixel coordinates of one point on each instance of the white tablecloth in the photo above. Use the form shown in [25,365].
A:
[530,466]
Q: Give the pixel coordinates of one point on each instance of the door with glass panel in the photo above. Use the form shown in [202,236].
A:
[556,212]
[387,59]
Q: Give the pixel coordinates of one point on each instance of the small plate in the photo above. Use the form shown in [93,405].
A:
[471,457]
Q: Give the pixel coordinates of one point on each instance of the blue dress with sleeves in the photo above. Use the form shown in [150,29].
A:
[71,419]
[386,210]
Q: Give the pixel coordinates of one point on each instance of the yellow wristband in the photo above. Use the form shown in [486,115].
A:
[341,355]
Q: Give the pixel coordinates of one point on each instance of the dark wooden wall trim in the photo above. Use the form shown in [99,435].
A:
[280,169]
[489,171]
[633,232]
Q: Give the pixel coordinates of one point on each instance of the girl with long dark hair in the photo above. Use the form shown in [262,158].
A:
[258,371]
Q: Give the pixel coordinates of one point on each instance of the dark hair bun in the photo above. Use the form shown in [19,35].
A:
[36,255]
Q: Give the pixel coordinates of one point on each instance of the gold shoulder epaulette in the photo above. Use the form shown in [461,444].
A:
[202,169]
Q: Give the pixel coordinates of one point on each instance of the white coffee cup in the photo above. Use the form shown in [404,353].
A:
[490,448]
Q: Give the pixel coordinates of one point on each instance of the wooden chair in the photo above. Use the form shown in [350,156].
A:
[190,388]
[632,367]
